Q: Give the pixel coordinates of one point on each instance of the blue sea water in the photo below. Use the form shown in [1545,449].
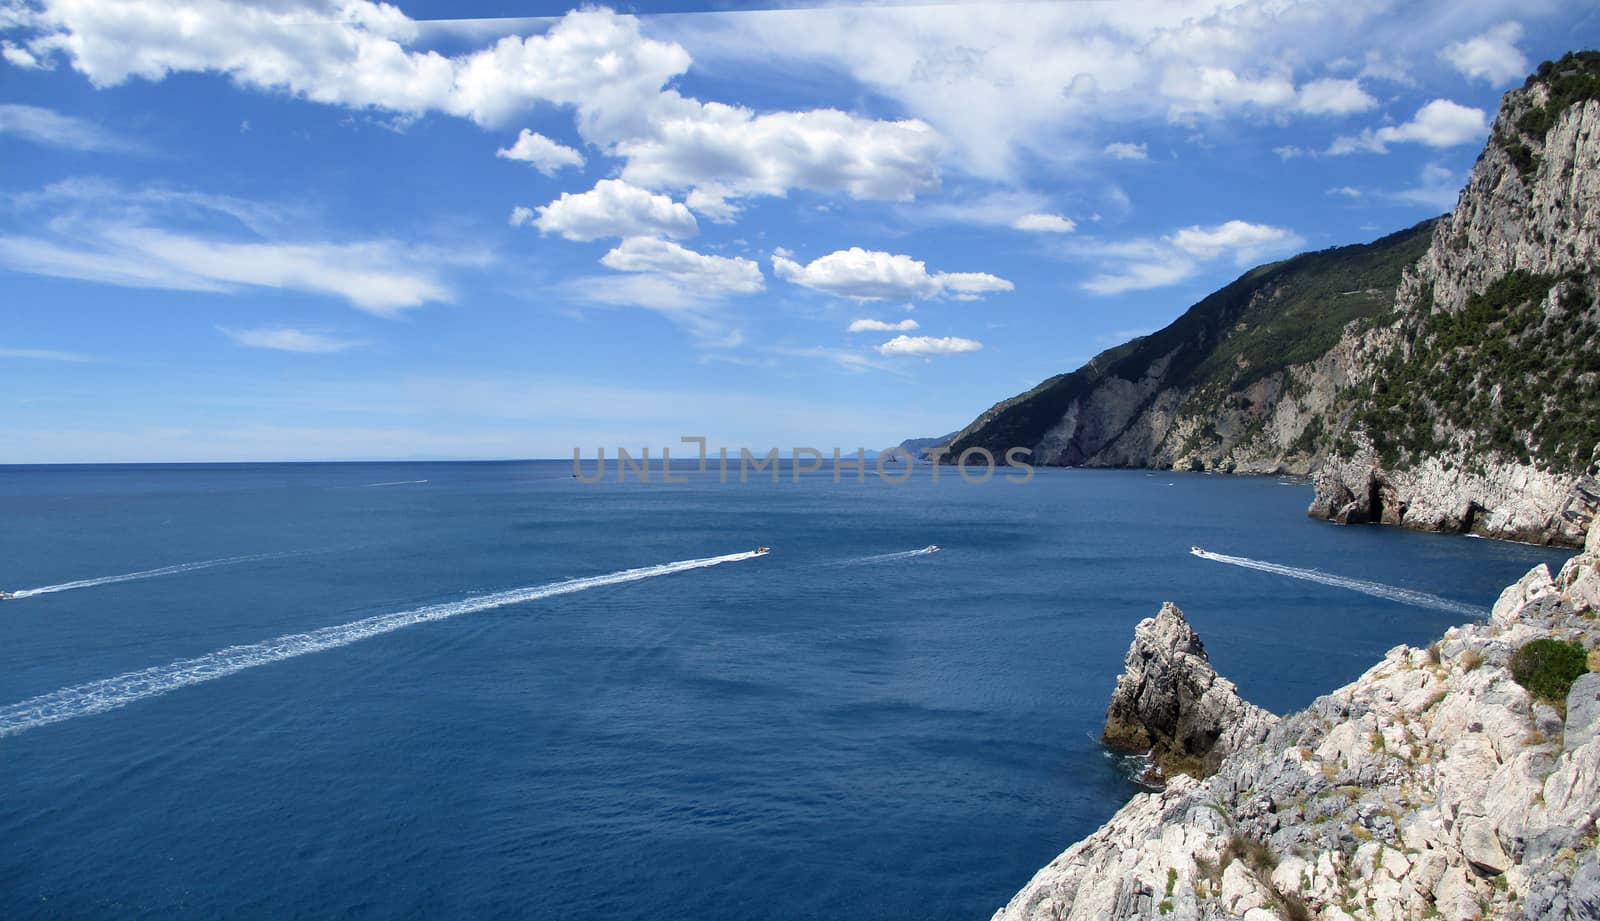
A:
[836,729]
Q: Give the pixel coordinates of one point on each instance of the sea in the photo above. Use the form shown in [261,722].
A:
[493,690]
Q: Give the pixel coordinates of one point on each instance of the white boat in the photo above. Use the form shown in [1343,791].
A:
[6,596]
[1195,549]
[762,551]
[931,548]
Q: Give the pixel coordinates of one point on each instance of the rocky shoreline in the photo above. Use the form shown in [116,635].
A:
[1505,501]
[1435,785]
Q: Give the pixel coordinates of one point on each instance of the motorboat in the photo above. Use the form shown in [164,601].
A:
[1195,549]
[931,548]
[7,596]
[762,551]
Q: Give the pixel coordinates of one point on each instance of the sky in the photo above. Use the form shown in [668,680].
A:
[307,229]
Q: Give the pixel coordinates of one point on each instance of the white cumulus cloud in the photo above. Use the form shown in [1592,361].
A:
[594,62]
[1333,97]
[18,56]
[288,339]
[723,152]
[870,275]
[356,53]
[1124,150]
[1440,123]
[970,286]
[882,326]
[613,208]
[1004,84]
[707,275]
[687,287]
[1242,240]
[1492,57]
[928,345]
[540,152]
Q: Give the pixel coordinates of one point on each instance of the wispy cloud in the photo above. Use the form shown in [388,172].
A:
[51,128]
[1125,150]
[46,355]
[1044,223]
[288,339]
[96,231]
[1155,262]
[844,358]
[1437,188]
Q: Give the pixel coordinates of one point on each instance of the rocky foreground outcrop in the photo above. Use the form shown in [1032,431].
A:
[1171,704]
[1434,785]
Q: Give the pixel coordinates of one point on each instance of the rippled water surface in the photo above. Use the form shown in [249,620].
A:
[434,690]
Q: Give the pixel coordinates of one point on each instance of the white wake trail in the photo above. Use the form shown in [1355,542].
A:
[393,483]
[889,557]
[1376,589]
[111,693]
[146,574]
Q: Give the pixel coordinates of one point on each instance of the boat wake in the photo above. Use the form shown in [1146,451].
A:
[111,693]
[1375,589]
[179,569]
[891,557]
[394,483]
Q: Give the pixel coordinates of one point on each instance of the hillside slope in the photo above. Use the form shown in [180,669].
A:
[1235,383]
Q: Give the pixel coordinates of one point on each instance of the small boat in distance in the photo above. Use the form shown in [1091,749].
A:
[762,551]
[931,548]
[1195,549]
[7,596]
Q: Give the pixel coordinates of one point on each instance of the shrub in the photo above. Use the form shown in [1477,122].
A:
[1256,855]
[1547,668]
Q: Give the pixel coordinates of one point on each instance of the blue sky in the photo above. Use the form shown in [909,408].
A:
[337,230]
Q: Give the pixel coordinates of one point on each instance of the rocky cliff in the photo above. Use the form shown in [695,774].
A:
[1171,704]
[1435,785]
[1445,378]
[1478,407]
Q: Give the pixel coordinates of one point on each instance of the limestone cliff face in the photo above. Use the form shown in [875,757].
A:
[1432,786]
[1171,703]
[1471,411]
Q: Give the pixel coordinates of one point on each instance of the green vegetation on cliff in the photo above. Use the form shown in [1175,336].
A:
[1512,375]
[1272,317]
[1548,667]
[1573,79]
